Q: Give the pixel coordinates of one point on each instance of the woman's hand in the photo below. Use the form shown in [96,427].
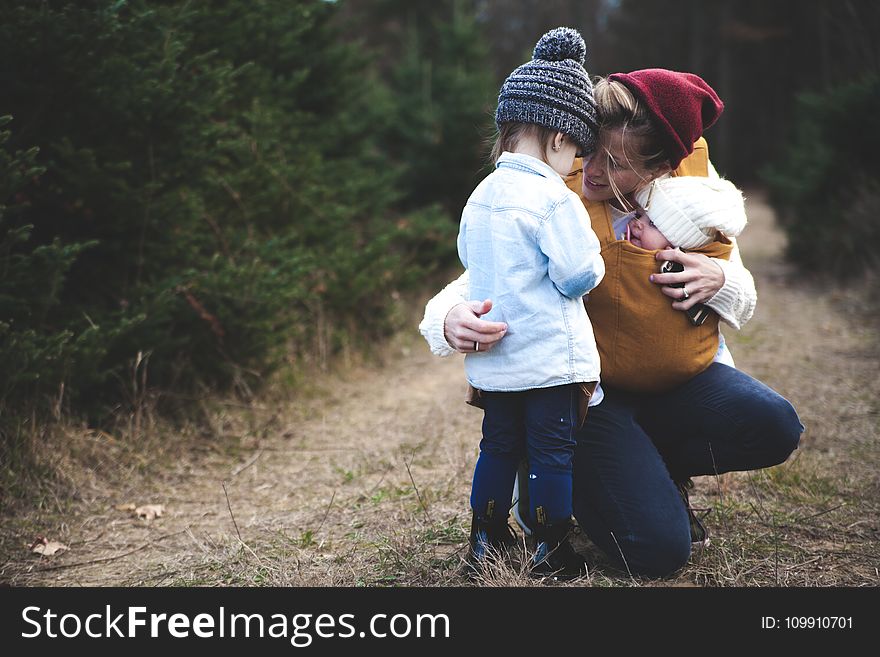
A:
[467,333]
[702,278]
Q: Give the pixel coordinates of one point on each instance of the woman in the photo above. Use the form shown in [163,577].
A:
[637,451]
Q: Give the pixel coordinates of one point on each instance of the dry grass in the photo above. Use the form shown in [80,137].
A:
[362,478]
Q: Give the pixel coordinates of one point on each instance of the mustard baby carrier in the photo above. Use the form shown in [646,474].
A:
[644,344]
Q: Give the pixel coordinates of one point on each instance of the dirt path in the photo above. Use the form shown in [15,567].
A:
[368,482]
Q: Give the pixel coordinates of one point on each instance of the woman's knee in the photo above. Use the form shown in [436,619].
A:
[654,550]
[657,555]
[780,429]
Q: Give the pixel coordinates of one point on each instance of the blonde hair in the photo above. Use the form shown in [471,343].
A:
[643,151]
[511,133]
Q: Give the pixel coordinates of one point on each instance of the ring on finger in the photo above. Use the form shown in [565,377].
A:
[476,346]
[684,293]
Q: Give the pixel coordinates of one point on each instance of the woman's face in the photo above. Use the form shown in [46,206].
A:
[614,160]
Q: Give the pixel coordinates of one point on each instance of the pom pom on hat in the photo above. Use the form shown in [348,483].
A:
[559,44]
[683,105]
[553,90]
[691,210]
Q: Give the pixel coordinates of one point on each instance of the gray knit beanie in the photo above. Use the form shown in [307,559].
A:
[553,90]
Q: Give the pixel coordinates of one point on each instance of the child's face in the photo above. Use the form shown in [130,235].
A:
[644,234]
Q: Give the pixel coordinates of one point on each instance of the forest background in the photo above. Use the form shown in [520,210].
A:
[209,198]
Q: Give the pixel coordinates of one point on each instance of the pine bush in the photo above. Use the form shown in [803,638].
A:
[827,188]
[192,192]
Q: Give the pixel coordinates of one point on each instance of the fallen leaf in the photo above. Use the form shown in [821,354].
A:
[39,540]
[150,511]
[47,548]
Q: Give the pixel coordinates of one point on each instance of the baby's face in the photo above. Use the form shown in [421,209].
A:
[644,234]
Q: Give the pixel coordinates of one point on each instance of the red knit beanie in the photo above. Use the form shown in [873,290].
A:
[682,104]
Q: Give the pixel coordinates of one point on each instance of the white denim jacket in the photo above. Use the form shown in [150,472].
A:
[526,241]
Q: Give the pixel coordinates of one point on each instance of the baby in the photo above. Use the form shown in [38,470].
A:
[686,212]
[698,214]
[710,204]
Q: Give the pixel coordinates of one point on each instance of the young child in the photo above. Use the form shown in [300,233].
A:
[526,241]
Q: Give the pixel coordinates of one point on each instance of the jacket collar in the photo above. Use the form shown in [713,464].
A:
[529,164]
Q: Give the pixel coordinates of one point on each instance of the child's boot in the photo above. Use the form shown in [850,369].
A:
[554,556]
[489,539]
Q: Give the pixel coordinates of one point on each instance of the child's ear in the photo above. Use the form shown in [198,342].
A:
[558,140]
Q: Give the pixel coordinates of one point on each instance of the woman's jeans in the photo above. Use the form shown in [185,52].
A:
[633,447]
[540,423]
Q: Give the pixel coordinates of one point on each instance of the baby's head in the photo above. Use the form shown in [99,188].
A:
[550,94]
[687,212]
[642,232]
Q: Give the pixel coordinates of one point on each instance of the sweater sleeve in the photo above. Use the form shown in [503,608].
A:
[735,301]
[431,326]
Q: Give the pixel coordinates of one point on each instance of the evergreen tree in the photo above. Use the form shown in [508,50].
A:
[826,188]
[214,194]
[442,97]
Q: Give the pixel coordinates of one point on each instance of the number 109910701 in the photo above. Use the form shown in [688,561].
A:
[807,622]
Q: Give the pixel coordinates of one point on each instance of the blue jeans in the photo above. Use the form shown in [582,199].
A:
[634,446]
[540,424]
